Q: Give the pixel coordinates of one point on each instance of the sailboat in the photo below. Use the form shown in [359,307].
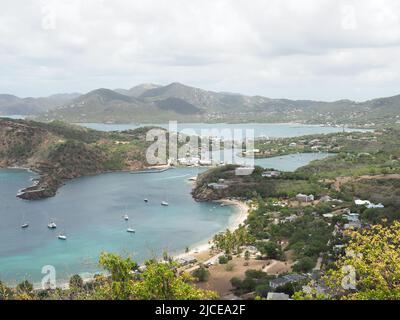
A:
[146,200]
[126,217]
[165,203]
[130,230]
[62,236]
[52,225]
[24,224]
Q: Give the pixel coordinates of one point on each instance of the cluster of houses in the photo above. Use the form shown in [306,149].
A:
[220,185]
[194,161]
[271,174]
[369,204]
[305,198]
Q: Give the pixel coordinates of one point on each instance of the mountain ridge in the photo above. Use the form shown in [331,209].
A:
[150,103]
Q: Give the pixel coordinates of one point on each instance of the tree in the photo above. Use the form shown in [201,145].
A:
[159,281]
[5,292]
[121,272]
[305,264]
[76,282]
[270,249]
[202,274]
[25,287]
[370,269]
[120,269]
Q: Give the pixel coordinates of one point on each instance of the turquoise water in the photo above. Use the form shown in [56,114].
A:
[90,211]
[260,129]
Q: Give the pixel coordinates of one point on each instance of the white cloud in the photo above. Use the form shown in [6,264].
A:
[315,49]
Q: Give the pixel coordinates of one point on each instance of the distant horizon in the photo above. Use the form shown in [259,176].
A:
[188,85]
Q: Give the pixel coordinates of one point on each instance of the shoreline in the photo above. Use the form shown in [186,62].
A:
[235,221]
[238,218]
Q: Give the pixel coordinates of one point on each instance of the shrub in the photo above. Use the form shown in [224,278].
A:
[223,259]
[202,274]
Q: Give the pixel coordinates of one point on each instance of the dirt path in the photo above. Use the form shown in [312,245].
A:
[343,180]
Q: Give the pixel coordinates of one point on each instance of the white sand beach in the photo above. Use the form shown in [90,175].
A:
[234,223]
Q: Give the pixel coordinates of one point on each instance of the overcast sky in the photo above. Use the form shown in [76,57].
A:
[298,49]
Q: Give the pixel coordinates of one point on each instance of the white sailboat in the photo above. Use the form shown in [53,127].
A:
[24,224]
[62,236]
[130,230]
[52,225]
[126,217]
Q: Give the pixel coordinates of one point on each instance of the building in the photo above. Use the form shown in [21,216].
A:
[244,171]
[368,204]
[305,198]
[217,186]
[270,174]
[290,278]
[184,261]
[353,225]
[277,296]
[326,199]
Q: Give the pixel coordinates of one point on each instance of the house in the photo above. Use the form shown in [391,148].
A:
[304,198]
[244,171]
[217,186]
[290,278]
[353,225]
[328,215]
[375,206]
[270,174]
[184,261]
[326,199]
[293,144]
[368,204]
[205,162]
[352,217]
[359,202]
[314,142]
[289,219]
[277,296]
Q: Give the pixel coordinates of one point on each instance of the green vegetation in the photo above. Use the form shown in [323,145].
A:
[231,242]
[201,274]
[369,270]
[59,151]
[158,281]
[254,281]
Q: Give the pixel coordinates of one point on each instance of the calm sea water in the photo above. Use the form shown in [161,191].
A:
[90,209]
[260,129]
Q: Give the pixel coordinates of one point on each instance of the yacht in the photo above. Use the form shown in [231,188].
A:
[51,225]
[62,236]
[165,203]
[126,217]
[130,230]
[25,225]
[146,200]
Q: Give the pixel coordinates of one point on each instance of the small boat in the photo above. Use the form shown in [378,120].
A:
[130,230]
[62,236]
[126,217]
[52,225]
[165,203]
[146,200]
[25,225]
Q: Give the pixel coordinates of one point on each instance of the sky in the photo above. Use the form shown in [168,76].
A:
[296,49]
